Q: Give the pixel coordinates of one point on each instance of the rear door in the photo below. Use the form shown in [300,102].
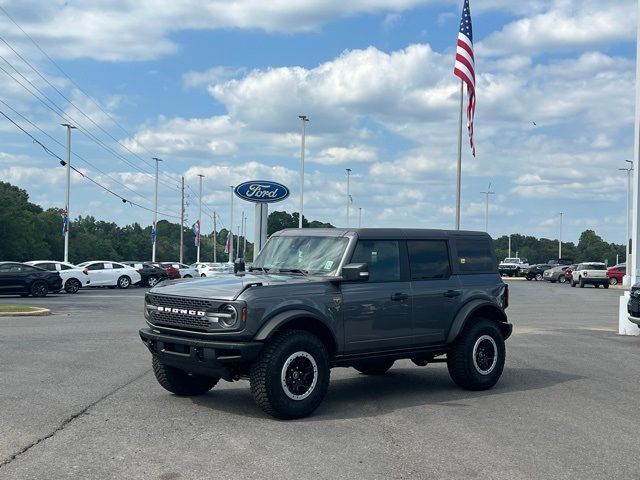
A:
[377,313]
[10,279]
[435,291]
[97,274]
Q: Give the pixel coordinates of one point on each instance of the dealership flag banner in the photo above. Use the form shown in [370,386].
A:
[154,233]
[195,228]
[65,221]
[465,67]
[229,244]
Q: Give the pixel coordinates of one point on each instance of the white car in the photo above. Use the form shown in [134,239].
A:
[73,277]
[213,269]
[105,273]
[186,271]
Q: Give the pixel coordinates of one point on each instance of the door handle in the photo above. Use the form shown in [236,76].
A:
[396,297]
[452,293]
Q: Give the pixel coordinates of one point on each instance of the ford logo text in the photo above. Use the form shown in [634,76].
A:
[260,191]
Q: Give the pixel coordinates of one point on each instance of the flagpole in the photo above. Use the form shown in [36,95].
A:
[459,169]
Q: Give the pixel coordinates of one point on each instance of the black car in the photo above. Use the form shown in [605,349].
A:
[151,274]
[315,299]
[534,272]
[27,280]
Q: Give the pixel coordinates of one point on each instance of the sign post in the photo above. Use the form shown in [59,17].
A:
[262,193]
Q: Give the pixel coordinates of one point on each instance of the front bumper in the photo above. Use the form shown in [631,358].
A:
[206,357]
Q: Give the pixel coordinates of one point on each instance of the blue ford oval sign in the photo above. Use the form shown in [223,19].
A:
[261,191]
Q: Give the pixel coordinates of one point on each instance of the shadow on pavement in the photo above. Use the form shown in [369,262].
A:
[366,396]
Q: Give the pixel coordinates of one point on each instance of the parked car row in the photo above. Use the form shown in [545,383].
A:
[580,274]
[40,277]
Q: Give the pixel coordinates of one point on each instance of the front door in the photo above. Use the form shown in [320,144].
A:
[377,313]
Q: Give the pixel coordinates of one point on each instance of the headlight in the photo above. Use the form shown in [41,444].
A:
[229,317]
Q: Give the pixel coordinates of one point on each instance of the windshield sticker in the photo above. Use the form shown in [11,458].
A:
[328,264]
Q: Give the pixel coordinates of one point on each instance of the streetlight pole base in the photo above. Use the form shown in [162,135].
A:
[626,280]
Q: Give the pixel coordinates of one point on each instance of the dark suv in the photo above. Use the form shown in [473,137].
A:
[322,298]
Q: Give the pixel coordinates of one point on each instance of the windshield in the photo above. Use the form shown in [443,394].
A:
[511,260]
[315,255]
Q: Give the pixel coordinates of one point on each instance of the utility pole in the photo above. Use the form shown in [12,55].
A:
[348,196]
[199,219]
[560,241]
[304,120]
[182,222]
[486,220]
[359,217]
[215,239]
[231,259]
[155,214]
[67,192]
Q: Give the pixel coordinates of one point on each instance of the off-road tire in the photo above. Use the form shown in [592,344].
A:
[152,281]
[266,375]
[180,382]
[573,284]
[124,282]
[72,285]
[39,288]
[605,285]
[374,367]
[581,284]
[460,359]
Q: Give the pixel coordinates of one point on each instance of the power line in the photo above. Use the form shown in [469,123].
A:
[97,104]
[87,177]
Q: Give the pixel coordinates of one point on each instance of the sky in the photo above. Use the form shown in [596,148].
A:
[216,87]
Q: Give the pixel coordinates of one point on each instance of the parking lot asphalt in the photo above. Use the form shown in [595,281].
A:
[78,400]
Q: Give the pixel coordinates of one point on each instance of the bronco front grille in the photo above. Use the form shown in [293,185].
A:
[178,320]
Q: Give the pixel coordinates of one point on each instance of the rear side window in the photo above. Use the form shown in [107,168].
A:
[383,258]
[475,255]
[95,266]
[428,259]
[595,266]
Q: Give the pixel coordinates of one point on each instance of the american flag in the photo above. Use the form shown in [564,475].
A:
[65,221]
[229,245]
[195,228]
[465,67]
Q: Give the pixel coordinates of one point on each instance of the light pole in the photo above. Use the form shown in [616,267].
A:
[199,219]
[155,214]
[486,220]
[560,240]
[67,193]
[304,120]
[348,195]
[627,277]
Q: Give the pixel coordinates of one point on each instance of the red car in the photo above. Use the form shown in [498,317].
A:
[568,272]
[616,273]
[172,271]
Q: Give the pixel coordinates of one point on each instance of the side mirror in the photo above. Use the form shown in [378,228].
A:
[355,272]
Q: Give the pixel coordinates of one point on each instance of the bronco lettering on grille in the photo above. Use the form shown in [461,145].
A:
[182,311]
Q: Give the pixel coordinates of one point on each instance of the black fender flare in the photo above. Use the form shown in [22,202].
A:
[275,322]
[466,313]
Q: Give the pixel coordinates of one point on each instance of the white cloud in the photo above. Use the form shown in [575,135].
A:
[211,76]
[345,155]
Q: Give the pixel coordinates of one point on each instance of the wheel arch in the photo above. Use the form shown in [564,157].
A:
[299,320]
[476,309]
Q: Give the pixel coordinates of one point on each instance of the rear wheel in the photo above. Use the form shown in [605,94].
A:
[538,277]
[180,382]
[291,376]
[613,281]
[39,288]
[375,367]
[562,279]
[72,285]
[528,279]
[124,282]
[605,285]
[152,281]
[202,275]
[573,284]
[597,285]
[187,276]
[476,359]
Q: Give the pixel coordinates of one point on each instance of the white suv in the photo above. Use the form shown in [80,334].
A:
[594,273]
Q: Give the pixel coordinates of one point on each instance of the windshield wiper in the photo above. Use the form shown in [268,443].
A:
[293,270]
[264,269]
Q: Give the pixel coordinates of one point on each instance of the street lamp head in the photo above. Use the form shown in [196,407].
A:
[156,159]
[304,118]
[348,170]
[68,125]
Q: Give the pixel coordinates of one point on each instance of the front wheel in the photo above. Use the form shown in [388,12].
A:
[39,288]
[581,283]
[538,277]
[374,367]
[202,275]
[605,285]
[72,285]
[180,382]
[187,276]
[562,279]
[291,376]
[476,359]
[124,282]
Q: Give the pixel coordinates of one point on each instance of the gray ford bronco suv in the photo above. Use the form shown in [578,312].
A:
[315,299]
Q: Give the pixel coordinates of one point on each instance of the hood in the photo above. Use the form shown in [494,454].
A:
[227,286]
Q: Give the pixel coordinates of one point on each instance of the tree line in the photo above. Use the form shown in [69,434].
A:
[28,232]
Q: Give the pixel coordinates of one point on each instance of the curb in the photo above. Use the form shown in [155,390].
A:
[39,312]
